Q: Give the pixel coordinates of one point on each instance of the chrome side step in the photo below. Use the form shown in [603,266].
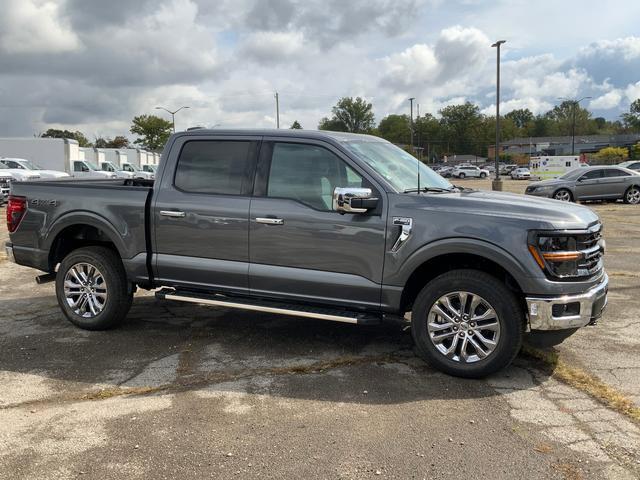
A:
[320,313]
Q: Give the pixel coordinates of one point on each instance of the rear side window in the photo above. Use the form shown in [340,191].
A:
[614,172]
[215,166]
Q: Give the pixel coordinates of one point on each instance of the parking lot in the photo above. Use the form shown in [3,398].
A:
[184,391]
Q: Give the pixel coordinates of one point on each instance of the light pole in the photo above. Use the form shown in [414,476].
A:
[574,105]
[411,117]
[497,183]
[277,110]
[173,115]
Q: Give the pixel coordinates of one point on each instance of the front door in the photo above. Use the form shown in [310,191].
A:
[589,185]
[201,214]
[300,249]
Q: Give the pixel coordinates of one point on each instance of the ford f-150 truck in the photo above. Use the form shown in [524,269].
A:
[326,225]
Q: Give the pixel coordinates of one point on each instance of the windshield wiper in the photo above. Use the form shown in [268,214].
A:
[429,189]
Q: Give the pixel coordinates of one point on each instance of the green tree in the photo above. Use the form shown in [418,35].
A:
[78,136]
[119,141]
[563,116]
[631,119]
[461,125]
[295,125]
[395,128]
[350,115]
[520,117]
[154,131]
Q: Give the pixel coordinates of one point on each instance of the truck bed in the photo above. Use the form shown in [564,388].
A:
[114,211]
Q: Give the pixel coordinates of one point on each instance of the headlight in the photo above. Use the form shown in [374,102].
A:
[565,256]
[544,188]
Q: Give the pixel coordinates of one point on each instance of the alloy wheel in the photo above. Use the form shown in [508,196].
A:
[85,290]
[463,327]
[633,195]
[563,195]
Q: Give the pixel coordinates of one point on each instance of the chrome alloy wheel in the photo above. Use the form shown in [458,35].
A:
[563,195]
[633,196]
[85,290]
[463,326]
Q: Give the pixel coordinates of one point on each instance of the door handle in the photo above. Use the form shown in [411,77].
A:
[270,221]
[172,213]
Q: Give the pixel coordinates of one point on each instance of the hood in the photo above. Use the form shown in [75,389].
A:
[549,182]
[19,174]
[540,212]
[51,173]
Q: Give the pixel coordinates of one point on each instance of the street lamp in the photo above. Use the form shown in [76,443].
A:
[497,183]
[173,115]
[574,104]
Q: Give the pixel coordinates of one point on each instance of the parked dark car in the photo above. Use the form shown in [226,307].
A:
[591,183]
[323,225]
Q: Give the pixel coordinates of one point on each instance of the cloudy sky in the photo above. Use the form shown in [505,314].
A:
[94,64]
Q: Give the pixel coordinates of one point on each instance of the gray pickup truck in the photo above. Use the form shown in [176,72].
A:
[324,225]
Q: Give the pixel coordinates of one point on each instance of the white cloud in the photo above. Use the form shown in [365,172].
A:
[632,91]
[34,26]
[274,47]
[607,101]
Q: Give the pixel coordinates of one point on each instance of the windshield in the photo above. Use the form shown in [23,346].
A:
[90,165]
[396,166]
[131,167]
[572,174]
[29,165]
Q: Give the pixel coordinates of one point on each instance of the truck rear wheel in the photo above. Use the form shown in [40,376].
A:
[467,323]
[92,288]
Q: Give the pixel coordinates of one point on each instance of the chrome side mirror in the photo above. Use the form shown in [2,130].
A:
[353,200]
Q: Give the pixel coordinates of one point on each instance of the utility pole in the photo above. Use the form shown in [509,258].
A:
[574,104]
[497,183]
[277,110]
[173,115]
[411,103]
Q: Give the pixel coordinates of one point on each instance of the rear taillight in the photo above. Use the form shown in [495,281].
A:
[16,208]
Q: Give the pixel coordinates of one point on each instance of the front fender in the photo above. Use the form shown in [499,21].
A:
[461,245]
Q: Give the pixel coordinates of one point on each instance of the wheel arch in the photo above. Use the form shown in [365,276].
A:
[469,254]
[70,233]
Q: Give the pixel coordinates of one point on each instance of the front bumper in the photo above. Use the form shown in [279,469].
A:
[568,311]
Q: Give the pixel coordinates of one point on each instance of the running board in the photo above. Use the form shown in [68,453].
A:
[321,313]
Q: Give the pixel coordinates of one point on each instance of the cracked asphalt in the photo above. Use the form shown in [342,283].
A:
[186,391]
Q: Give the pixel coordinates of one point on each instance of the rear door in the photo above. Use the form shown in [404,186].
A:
[201,213]
[614,183]
[300,249]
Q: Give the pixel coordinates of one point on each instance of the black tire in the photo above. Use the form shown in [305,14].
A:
[483,175]
[510,318]
[565,192]
[461,175]
[632,195]
[119,295]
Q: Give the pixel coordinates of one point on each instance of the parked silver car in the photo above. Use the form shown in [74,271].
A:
[520,173]
[591,183]
[631,165]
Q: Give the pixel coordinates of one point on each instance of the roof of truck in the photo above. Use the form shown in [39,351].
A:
[283,132]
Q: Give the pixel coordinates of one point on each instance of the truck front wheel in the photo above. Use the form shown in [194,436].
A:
[467,323]
[92,288]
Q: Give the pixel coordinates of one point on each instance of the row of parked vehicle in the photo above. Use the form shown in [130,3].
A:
[20,169]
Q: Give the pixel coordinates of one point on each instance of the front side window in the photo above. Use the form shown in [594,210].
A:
[13,164]
[593,174]
[308,174]
[214,166]
[79,167]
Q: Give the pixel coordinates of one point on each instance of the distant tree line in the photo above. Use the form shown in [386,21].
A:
[463,129]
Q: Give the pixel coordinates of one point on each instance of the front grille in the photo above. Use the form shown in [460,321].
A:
[592,248]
